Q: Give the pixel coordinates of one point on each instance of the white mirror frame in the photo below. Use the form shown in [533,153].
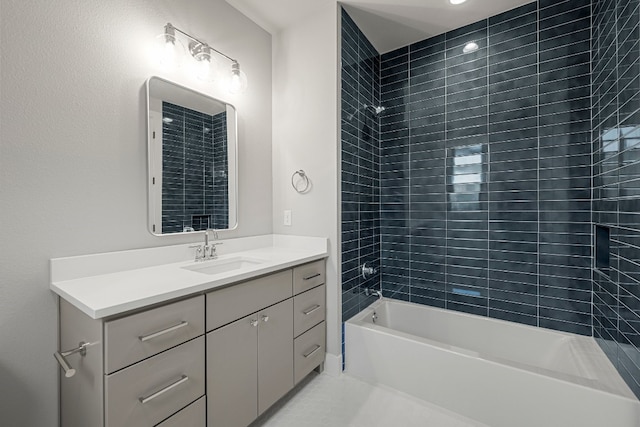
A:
[154,157]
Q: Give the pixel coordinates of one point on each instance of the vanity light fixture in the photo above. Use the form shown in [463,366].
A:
[238,79]
[470,47]
[168,49]
[207,65]
[171,52]
[457,1]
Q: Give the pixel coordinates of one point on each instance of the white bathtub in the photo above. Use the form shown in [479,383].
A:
[499,373]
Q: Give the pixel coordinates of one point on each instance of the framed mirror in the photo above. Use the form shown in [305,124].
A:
[192,160]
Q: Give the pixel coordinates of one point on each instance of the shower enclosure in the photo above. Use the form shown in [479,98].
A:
[478,186]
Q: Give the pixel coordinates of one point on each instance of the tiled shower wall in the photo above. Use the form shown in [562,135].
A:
[486,163]
[616,185]
[194,170]
[486,168]
[360,166]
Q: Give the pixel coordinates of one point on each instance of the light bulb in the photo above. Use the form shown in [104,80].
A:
[206,65]
[204,70]
[169,51]
[237,82]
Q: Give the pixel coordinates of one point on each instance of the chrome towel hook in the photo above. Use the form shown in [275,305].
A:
[303,184]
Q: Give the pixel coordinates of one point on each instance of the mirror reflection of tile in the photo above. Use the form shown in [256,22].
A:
[194,170]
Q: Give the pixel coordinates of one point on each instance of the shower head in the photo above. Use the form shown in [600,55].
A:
[376,110]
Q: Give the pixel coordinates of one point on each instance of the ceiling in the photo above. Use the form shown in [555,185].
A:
[388,24]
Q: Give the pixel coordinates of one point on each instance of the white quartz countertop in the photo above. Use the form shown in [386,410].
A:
[103,285]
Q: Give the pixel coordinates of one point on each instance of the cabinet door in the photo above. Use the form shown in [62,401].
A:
[232,374]
[275,353]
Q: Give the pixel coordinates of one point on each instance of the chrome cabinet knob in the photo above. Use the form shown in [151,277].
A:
[265,318]
[254,322]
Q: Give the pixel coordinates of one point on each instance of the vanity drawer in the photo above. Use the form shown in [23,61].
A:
[308,276]
[194,415]
[138,336]
[234,302]
[309,350]
[308,309]
[150,391]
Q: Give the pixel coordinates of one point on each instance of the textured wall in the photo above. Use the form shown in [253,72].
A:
[616,182]
[305,136]
[360,185]
[73,176]
[486,168]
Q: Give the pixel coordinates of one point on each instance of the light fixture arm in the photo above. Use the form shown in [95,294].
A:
[170,30]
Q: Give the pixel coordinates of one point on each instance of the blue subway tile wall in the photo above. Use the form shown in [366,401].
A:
[485,168]
[360,192]
[194,170]
[616,195]
[218,202]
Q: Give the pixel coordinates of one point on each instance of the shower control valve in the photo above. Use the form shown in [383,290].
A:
[368,271]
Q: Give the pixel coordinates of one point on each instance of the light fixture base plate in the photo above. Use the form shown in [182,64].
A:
[199,51]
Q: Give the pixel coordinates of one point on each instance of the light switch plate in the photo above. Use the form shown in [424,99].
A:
[287,217]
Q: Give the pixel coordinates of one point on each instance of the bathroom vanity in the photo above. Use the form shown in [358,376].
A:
[229,339]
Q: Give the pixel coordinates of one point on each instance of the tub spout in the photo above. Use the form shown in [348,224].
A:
[371,292]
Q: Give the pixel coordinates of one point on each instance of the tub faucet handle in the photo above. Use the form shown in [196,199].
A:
[368,271]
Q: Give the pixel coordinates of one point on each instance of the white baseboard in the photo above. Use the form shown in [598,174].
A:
[333,364]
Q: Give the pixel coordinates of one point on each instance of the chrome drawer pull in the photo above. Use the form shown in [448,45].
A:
[310,310]
[311,277]
[144,338]
[317,347]
[182,379]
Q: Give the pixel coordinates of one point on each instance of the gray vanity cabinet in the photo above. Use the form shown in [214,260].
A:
[222,358]
[139,369]
[249,365]
[275,353]
[149,392]
[232,370]
[250,361]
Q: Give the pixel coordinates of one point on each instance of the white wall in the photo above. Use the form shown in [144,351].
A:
[305,112]
[73,156]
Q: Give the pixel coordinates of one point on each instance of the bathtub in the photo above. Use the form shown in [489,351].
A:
[499,373]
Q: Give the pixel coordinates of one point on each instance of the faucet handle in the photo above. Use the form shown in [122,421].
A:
[211,248]
[199,251]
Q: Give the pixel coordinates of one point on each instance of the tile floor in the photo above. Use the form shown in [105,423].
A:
[343,401]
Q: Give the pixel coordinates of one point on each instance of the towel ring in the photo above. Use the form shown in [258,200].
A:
[304,179]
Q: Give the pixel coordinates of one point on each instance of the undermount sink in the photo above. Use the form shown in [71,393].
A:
[223,265]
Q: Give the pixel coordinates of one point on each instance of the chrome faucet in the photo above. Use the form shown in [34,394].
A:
[208,250]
